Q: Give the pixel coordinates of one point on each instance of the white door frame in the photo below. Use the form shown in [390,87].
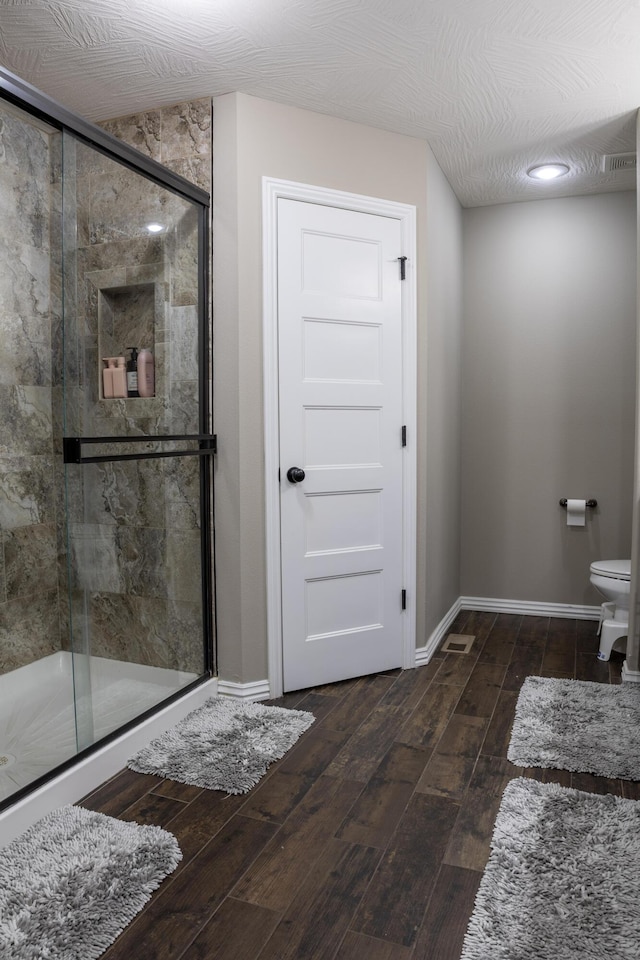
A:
[272,191]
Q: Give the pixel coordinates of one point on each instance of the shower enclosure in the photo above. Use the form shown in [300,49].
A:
[105,501]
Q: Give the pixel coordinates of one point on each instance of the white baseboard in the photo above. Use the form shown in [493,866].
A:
[424,654]
[90,772]
[256,690]
[531,608]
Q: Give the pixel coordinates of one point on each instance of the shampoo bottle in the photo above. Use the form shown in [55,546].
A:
[132,373]
[146,374]
[120,378]
[107,377]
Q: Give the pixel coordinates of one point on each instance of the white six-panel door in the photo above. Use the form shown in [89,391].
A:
[340,409]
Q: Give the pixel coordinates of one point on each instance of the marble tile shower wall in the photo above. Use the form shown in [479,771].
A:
[29,316]
[134,526]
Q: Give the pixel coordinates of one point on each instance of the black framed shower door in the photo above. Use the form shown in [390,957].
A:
[131,482]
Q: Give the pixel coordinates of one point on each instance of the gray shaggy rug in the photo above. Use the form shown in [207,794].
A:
[563,878]
[71,884]
[580,726]
[223,745]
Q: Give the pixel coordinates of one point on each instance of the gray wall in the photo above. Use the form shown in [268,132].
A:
[439,394]
[548,393]
[254,138]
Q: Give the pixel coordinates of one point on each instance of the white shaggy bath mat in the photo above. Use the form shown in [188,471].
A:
[577,725]
[563,878]
[223,745]
[71,884]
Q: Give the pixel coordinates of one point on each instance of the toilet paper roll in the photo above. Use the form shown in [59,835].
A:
[576,513]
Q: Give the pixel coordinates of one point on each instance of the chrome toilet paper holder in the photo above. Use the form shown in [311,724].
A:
[589,503]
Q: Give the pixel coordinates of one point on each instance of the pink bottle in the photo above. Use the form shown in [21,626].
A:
[146,373]
[120,378]
[107,377]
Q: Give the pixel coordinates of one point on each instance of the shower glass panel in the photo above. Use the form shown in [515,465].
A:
[37,722]
[134,561]
[105,517]
[134,547]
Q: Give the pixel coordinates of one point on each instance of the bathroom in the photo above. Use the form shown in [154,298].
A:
[570,340]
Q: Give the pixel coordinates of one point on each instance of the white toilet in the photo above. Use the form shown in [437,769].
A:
[611,578]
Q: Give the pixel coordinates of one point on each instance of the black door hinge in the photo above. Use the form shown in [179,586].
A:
[404,436]
[404,599]
[403,273]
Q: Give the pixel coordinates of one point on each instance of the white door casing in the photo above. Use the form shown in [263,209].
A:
[341,544]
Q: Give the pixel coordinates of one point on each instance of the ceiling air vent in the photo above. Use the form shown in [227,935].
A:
[615,162]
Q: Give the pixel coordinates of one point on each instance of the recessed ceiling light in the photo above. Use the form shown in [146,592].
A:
[154,227]
[548,171]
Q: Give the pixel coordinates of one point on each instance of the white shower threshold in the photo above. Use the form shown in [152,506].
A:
[38,729]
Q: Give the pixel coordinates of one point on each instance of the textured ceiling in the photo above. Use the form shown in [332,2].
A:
[493,85]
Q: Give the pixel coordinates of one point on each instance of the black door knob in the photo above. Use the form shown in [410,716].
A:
[295,474]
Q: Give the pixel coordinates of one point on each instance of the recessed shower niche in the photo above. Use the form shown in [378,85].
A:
[127,325]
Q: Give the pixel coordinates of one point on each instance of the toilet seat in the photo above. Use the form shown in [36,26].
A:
[614,569]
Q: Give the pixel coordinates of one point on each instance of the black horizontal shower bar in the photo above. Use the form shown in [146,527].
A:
[72,447]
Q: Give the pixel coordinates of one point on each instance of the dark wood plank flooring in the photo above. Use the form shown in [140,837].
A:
[368,839]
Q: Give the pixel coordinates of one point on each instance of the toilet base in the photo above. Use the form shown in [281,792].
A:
[611,632]
[607,612]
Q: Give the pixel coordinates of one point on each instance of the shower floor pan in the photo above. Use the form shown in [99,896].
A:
[38,729]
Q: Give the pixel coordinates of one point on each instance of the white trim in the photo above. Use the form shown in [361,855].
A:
[255,690]
[629,676]
[272,191]
[531,608]
[528,608]
[271,435]
[424,654]
[89,773]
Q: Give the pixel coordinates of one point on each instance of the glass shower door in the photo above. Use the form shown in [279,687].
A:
[137,446]
[37,724]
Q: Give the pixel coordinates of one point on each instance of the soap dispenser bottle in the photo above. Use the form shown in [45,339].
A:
[132,373]
[146,378]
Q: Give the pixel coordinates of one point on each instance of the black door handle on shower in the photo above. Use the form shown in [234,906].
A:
[295,474]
